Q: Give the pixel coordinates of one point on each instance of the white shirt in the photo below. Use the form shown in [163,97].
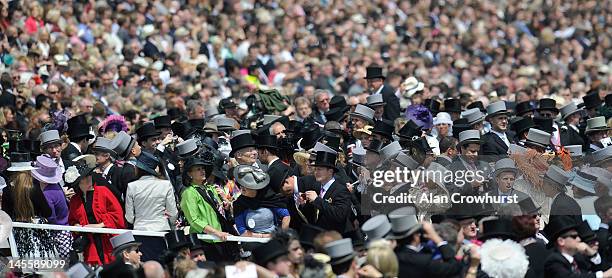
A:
[146,200]
[604,225]
[326,187]
[76,146]
[502,136]
[107,169]
[379,90]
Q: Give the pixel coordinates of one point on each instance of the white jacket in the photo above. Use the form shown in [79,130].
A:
[146,201]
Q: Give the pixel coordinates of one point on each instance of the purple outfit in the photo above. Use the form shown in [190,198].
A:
[57,202]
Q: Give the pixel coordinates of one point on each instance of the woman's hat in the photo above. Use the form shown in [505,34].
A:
[47,170]
[420,115]
[251,177]
[82,167]
[147,162]
[443,118]
[411,85]
[503,258]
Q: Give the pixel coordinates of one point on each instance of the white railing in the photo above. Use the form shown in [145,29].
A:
[114,232]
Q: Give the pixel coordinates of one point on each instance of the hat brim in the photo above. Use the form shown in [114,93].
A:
[21,168]
[587,131]
[469,141]
[54,141]
[405,234]
[145,168]
[122,247]
[343,259]
[353,114]
[501,170]
[573,112]
[232,152]
[50,180]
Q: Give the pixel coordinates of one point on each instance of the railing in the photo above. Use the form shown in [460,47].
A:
[113,231]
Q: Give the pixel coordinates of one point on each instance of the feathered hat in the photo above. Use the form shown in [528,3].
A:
[420,115]
[115,123]
[503,259]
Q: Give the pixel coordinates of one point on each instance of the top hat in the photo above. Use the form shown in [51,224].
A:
[20,162]
[375,146]
[547,104]
[376,227]
[505,165]
[240,141]
[266,141]
[123,241]
[403,223]
[406,161]
[585,232]
[47,170]
[310,135]
[375,100]
[195,242]
[608,100]
[80,270]
[545,124]
[176,240]
[469,137]
[410,131]
[390,151]
[337,109]
[104,145]
[78,127]
[331,140]
[122,144]
[340,251]
[49,137]
[537,137]
[557,225]
[308,234]
[523,124]
[147,130]
[596,124]
[523,107]
[269,119]
[374,72]
[197,124]
[433,105]
[497,108]
[363,112]
[227,103]
[225,124]
[528,206]
[187,148]
[583,181]
[162,121]
[250,177]
[384,128]
[592,100]
[598,157]
[358,158]
[574,150]
[269,251]
[325,159]
[452,105]
[477,104]
[557,175]
[174,113]
[497,228]
[569,109]
[333,126]
[147,162]
[337,102]
[516,149]
[473,116]
[182,129]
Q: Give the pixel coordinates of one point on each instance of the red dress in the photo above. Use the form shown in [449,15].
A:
[107,210]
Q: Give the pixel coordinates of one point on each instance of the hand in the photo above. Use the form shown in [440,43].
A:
[608,273]
[350,187]
[474,255]
[167,140]
[585,249]
[369,271]
[69,192]
[99,225]
[311,195]
[222,235]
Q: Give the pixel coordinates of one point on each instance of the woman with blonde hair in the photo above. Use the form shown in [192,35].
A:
[382,258]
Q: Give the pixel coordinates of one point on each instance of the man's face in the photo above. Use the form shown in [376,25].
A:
[296,252]
[499,123]
[323,174]
[247,156]
[468,228]
[470,151]
[132,256]
[278,130]
[548,114]
[323,102]
[303,111]
[379,111]
[505,180]
[597,136]
[569,241]
[165,131]
[198,113]
[102,158]
[53,150]
[150,143]
[86,106]
[374,84]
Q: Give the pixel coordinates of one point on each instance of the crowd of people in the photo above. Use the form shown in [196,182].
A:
[283,121]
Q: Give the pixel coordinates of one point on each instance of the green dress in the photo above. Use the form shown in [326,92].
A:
[198,212]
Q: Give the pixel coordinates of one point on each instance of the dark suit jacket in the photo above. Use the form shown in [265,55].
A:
[557,266]
[150,50]
[603,237]
[334,209]
[537,254]
[569,136]
[494,146]
[421,264]
[277,171]
[467,190]
[392,107]
[305,183]
[316,116]
[443,160]
[68,154]
[566,205]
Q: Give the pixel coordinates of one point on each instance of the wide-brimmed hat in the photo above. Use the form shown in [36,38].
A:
[592,100]
[325,159]
[241,139]
[522,124]
[20,162]
[523,107]
[363,112]
[147,162]
[473,116]
[497,108]
[375,100]
[384,128]
[411,86]
[528,207]
[403,223]
[443,118]
[162,122]
[557,225]
[49,137]
[537,137]
[123,241]
[469,137]
[147,130]
[505,165]
[47,170]
[176,240]
[267,252]
[250,177]
[340,251]
[452,105]
[547,104]
[374,72]
[497,228]
[596,124]
[569,109]
[82,167]
[557,175]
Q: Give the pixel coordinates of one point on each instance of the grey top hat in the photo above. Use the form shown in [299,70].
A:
[187,147]
[390,151]
[225,123]
[406,161]
[538,137]
[251,177]
[320,147]
[505,165]
[49,137]
[123,241]
[574,150]
[375,100]
[473,116]
[602,155]
[376,227]
[364,112]
[403,223]
[596,124]
[270,118]
[583,181]
[240,132]
[557,175]
[603,176]
[470,136]
[569,109]
[104,145]
[496,108]
[122,143]
[516,149]
[340,251]
[359,154]
[80,270]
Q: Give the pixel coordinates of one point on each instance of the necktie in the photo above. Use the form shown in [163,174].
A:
[505,138]
[322,192]
[575,268]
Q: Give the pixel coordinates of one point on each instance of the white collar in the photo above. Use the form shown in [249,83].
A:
[595,147]
[328,184]
[379,90]
[272,161]
[604,225]
[500,134]
[569,258]
[107,169]
[76,146]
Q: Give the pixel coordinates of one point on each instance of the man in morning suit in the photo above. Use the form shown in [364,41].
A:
[79,135]
[496,142]
[267,149]
[376,79]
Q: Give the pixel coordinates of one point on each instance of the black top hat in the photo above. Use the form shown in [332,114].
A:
[176,240]
[459,126]
[410,131]
[162,121]
[227,103]
[337,102]
[147,162]
[241,141]
[196,161]
[523,107]
[269,251]
[528,206]
[294,127]
[195,242]
[522,125]
[174,113]
[310,135]
[374,72]
[497,228]
[557,225]
[197,123]
[544,124]
[266,141]
[433,105]
[147,130]
[337,109]
[182,129]
[477,104]
[384,128]
[548,104]
[308,234]
[585,232]
[326,159]
[452,105]
[592,100]
[375,146]
[331,140]
[78,128]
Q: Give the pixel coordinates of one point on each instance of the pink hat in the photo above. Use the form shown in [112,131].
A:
[47,170]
